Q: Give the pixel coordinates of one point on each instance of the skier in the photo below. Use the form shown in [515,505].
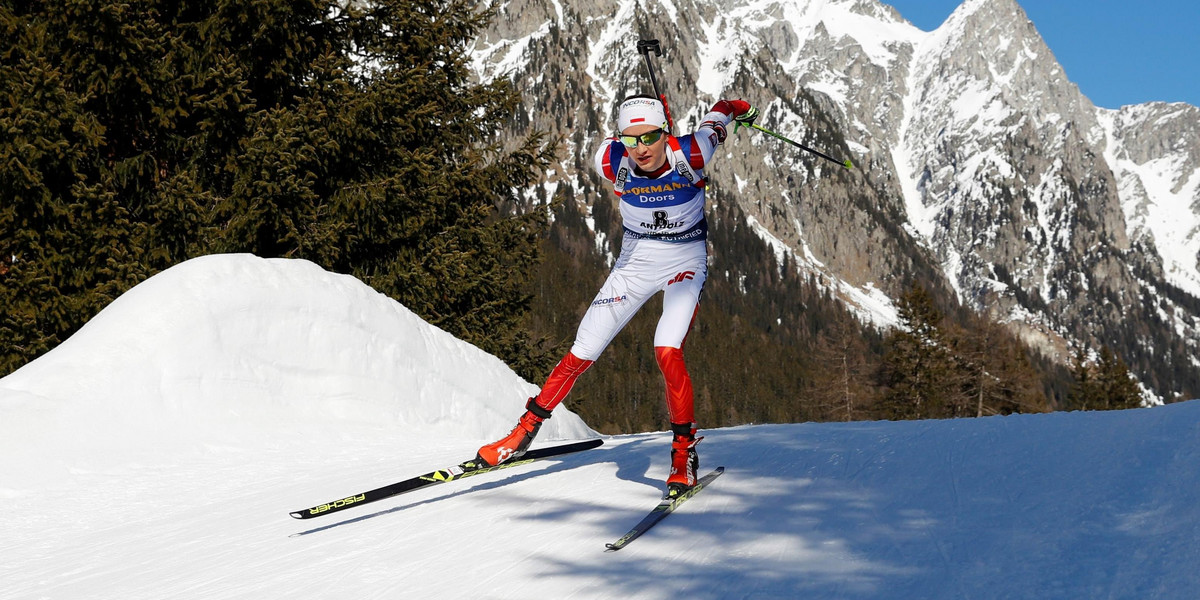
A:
[660,181]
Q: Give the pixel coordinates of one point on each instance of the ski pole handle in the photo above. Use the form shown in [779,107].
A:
[644,47]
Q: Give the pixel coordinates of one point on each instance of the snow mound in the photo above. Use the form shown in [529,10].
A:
[238,342]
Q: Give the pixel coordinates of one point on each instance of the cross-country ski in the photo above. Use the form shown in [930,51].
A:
[461,471]
[664,508]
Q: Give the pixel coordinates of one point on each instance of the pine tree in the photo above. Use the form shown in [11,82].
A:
[918,369]
[462,262]
[1103,385]
[1116,388]
[64,233]
[139,135]
[996,372]
[1083,392]
[841,385]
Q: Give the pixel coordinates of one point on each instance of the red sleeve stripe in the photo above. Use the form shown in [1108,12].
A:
[723,107]
[607,164]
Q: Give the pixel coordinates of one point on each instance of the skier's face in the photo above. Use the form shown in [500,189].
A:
[648,157]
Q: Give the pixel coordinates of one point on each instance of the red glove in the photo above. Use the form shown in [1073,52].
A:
[742,112]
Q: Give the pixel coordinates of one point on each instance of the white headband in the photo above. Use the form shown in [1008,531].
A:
[641,111]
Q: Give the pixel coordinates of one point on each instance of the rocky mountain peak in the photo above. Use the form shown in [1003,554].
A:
[976,156]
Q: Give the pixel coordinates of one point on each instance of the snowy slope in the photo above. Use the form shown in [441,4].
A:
[157,453]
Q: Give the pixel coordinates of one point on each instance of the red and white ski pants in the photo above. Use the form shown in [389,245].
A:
[645,268]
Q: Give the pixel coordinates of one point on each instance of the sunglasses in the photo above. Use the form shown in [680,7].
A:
[650,137]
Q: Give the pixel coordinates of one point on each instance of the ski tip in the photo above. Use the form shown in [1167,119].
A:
[588,444]
[296,515]
[611,548]
[848,164]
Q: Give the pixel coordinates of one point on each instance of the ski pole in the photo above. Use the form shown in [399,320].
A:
[845,163]
[644,47]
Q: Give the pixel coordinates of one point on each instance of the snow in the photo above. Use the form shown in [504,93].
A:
[730,37]
[835,88]
[868,303]
[741,183]
[157,453]
[778,246]
[1159,198]
[605,63]
[980,105]
[875,34]
[718,49]
[920,218]
[906,153]
[513,54]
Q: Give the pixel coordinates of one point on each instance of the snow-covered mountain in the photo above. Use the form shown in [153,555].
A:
[157,453]
[977,157]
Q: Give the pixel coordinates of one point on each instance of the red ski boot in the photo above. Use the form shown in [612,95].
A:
[517,441]
[684,460]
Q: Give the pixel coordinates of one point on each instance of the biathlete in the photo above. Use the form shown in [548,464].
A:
[660,181]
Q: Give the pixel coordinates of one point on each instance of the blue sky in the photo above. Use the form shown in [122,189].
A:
[1117,51]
